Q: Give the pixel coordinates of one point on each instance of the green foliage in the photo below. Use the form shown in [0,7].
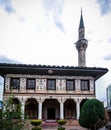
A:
[61,122]
[36,122]
[91,114]
[61,128]
[10,119]
[37,128]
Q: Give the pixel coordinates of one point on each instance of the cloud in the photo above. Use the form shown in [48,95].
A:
[109,40]
[107,57]
[21,19]
[54,8]
[105,6]
[7,6]
[5,59]
[59,25]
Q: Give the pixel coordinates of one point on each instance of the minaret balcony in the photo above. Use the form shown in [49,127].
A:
[81,44]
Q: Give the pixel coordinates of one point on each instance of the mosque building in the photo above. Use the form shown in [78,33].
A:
[52,92]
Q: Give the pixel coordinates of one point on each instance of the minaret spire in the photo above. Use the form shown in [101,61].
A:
[81,44]
[81,24]
[81,27]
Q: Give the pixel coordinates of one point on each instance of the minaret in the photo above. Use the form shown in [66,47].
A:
[81,44]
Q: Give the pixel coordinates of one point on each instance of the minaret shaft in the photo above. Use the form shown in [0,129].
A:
[82,58]
[81,44]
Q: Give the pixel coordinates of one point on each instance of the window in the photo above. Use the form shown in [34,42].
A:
[30,83]
[70,85]
[51,84]
[84,85]
[15,83]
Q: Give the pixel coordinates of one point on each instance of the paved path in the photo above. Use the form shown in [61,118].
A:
[74,128]
[69,128]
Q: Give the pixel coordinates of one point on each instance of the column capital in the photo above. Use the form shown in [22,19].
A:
[61,99]
[40,99]
[78,100]
[22,99]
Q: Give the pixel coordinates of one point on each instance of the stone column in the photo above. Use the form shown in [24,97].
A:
[61,101]
[22,101]
[61,110]
[78,108]
[40,110]
[23,109]
[40,101]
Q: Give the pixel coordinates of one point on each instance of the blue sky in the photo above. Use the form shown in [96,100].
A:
[44,32]
[6,5]
[105,6]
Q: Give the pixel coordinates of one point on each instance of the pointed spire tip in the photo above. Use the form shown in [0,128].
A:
[81,10]
[81,25]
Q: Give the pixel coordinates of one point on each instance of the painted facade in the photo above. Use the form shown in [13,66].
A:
[51,100]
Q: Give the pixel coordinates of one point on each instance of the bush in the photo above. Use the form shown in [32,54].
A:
[36,122]
[92,114]
[61,122]
[61,128]
[37,128]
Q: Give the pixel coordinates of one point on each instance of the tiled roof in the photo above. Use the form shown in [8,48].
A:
[51,70]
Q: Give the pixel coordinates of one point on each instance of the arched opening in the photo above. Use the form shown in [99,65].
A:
[51,109]
[69,109]
[31,108]
[82,103]
[15,107]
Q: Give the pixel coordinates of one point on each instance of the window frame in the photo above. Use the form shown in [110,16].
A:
[29,85]
[52,83]
[70,82]
[14,83]
[85,85]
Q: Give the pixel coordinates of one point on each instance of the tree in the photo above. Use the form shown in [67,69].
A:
[10,119]
[92,115]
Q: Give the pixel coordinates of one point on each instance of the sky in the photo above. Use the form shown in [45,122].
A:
[44,32]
